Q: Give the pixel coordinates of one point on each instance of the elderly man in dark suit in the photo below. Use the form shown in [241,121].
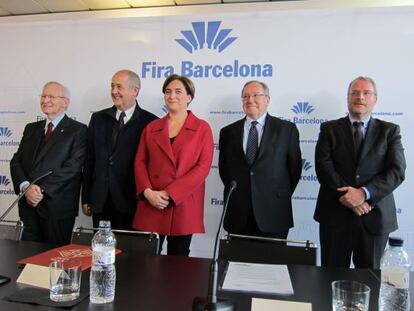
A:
[261,153]
[359,163]
[109,191]
[56,144]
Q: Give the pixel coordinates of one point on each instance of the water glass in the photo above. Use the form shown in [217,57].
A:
[65,279]
[350,296]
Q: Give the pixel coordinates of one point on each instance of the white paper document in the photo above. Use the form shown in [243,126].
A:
[34,275]
[260,278]
[259,304]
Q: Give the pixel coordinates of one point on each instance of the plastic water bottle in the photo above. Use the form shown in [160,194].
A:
[103,273]
[395,274]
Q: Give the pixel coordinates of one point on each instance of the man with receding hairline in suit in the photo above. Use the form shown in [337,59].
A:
[359,163]
[113,134]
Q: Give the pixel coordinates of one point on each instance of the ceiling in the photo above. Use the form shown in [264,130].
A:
[28,7]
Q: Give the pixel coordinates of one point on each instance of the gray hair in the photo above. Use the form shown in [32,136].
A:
[64,89]
[133,78]
[363,78]
[264,86]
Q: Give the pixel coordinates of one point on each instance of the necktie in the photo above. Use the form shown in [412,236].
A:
[121,119]
[252,143]
[358,136]
[48,131]
[117,128]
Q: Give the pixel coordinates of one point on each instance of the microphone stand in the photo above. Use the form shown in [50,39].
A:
[5,279]
[210,303]
[22,194]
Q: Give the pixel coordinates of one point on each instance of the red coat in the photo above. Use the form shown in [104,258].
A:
[180,169]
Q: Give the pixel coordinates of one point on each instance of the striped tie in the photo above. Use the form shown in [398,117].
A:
[252,143]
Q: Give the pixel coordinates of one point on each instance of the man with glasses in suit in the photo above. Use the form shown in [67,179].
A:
[359,163]
[262,154]
[57,144]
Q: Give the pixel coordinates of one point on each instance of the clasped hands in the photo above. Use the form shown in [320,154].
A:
[159,199]
[354,198]
[34,195]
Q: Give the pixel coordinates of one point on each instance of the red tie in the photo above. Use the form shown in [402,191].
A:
[48,131]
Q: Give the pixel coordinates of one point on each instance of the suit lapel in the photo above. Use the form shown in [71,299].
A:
[54,137]
[186,134]
[38,141]
[346,137]
[370,137]
[111,114]
[161,138]
[270,129]
[237,134]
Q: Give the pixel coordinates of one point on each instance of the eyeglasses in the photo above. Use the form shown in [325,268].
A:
[254,96]
[365,93]
[51,97]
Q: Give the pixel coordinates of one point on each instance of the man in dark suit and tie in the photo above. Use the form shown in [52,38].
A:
[262,154]
[359,163]
[56,144]
[109,191]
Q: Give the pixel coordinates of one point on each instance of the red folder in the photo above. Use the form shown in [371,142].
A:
[80,252]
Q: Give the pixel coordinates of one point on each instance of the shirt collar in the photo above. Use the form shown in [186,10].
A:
[55,121]
[365,121]
[261,121]
[128,113]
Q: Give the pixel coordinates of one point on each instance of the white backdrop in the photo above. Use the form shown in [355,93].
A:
[306,56]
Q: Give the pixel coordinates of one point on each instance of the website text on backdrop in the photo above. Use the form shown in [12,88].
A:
[262,154]
[359,163]
[108,191]
[172,163]
[57,144]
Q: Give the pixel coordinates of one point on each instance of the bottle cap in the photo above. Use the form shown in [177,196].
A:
[395,241]
[104,224]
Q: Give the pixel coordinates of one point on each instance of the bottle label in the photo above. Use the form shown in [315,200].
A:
[399,277]
[103,256]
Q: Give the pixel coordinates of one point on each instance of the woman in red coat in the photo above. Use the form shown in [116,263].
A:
[171,165]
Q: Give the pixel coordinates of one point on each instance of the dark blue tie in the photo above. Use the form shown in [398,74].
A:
[252,143]
[358,136]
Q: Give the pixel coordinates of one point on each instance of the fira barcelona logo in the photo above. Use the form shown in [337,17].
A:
[5,132]
[206,35]
[4,180]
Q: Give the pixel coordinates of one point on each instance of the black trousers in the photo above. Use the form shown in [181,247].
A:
[49,230]
[341,243]
[120,221]
[178,245]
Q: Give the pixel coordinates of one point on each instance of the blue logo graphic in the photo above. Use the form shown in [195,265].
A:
[4,180]
[306,165]
[302,108]
[164,108]
[5,131]
[215,38]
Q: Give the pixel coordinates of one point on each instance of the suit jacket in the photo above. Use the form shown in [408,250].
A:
[109,168]
[267,186]
[64,154]
[179,168]
[380,168]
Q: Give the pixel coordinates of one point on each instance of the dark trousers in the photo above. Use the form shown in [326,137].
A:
[253,229]
[120,221]
[49,230]
[340,243]
[178,245]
